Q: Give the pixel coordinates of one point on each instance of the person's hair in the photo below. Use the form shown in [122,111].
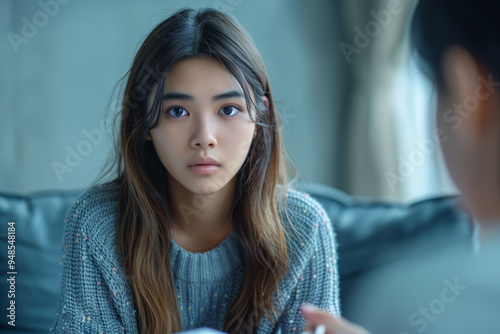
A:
[472,24]
[144,224]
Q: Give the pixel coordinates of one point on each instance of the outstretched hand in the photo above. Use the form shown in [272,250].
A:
[315,317]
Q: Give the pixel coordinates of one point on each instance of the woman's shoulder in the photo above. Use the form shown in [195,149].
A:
[97,200]
[95,211]
[302,207]
[102,192]
[303,217]
[311,243]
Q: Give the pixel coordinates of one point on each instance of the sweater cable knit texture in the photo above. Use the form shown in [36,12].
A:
[97,298]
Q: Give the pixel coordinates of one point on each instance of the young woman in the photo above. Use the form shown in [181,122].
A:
[452,291]
[199,228]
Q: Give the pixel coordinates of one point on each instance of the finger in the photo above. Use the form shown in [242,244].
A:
[316,316]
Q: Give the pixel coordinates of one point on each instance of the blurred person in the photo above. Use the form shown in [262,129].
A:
[456,290]
[200,227]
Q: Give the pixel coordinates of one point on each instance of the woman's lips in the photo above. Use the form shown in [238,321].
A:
[203,169]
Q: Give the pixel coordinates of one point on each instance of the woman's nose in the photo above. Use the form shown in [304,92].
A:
[204,134]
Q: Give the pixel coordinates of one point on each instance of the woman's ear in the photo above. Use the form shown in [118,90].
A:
[265,100]
[148,136]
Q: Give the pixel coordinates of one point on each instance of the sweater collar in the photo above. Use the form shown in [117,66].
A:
[213,265]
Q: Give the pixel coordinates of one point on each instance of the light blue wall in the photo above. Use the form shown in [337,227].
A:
[58,84]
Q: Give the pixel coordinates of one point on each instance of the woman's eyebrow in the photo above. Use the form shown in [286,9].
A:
[186,97]
[228,95]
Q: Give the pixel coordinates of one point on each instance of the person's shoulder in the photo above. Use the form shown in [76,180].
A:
[95,211]
[303,217]
[302,208]
[310,238]
[453,278]
[97,200]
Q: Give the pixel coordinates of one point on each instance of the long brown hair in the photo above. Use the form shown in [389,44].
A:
[144,224]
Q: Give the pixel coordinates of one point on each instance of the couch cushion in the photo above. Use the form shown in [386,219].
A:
[371,233]
[38,238]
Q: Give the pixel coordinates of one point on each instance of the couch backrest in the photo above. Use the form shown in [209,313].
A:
[369,234]
[38,239]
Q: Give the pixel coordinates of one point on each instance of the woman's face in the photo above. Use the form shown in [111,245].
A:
[205,131]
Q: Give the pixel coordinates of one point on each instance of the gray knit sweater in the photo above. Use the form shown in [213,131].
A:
[96,297]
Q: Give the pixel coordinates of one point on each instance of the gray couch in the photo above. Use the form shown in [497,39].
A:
[370,234]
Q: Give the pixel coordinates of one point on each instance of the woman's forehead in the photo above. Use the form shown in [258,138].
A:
[204,74]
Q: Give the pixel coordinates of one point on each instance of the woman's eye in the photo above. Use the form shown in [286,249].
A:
[177,112]
[230,111]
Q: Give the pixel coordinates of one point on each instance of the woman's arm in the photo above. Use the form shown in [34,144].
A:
[88,304]
[314,263]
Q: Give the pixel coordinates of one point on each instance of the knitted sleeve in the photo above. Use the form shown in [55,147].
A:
[93,298]
[313,266]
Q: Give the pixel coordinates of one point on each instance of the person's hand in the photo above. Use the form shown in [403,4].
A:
[315,317]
